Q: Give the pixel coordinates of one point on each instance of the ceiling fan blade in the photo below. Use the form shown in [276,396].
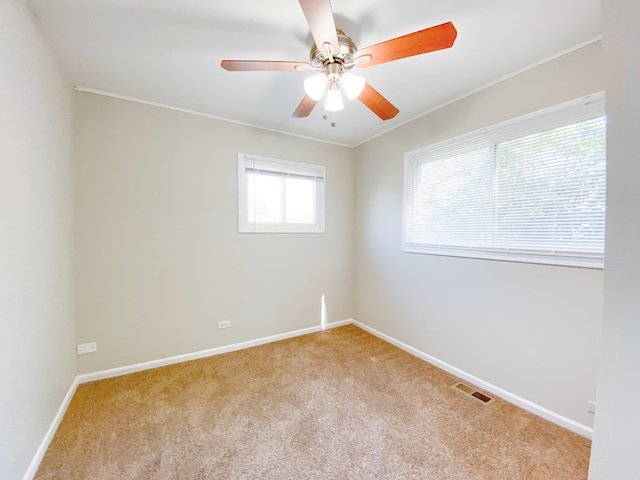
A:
[306,106]
[263,66]
[416,43]
[319,16]
[377,103]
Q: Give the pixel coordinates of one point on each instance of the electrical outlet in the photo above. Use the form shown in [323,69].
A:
[83,348]
[225,324]
[591,406]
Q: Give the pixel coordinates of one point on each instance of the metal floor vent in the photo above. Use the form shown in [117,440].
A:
[472,392]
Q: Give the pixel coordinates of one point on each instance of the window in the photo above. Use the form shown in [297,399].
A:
[531,190]
[279,196]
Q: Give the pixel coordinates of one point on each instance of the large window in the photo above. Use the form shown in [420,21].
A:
[279,196]
[531,190]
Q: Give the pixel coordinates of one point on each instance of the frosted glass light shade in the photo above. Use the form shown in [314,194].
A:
[316,85]
[352,85]
[334,100]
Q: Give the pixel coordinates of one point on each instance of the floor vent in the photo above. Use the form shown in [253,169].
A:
[472,392]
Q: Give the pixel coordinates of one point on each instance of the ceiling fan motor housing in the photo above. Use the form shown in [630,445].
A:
[343,57]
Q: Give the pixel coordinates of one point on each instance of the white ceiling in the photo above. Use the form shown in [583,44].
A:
[169,52]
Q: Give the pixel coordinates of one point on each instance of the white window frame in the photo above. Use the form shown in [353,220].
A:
[574,111]
[285,169]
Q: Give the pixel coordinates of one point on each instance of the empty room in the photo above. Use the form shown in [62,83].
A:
[320,239]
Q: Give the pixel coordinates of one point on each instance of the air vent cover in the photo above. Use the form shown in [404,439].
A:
[472,392]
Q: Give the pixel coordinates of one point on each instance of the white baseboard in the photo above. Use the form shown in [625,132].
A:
[42,448]
[162,362]
[523,403]
[116,372]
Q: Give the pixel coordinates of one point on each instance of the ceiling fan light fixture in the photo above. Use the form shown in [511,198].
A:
[334,101]
[352,85]
[316,85]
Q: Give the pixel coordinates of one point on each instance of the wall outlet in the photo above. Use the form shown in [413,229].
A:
[591,406]
[83,348]
[225,324]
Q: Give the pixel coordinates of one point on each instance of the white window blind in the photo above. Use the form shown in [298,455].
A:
[531,190]
[279,196]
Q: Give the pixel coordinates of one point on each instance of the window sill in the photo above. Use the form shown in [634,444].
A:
[551,260]
[281,229]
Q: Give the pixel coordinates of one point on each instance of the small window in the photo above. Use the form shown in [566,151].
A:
[530,190]
[279,196]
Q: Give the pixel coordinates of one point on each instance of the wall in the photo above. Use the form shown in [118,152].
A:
[532,330]
[159,260]
[615,444]
[37,357]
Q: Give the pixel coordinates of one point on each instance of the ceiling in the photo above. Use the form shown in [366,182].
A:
[169,51]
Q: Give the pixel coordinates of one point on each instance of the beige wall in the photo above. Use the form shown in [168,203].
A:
[532,330]
[159,260]
[615,442]
[37,357]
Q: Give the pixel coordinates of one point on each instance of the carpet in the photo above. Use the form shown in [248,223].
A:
[338,404]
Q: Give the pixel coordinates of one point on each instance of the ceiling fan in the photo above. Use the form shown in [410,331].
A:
[335,54]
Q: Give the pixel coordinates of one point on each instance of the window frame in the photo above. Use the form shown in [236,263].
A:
[283,168]
[564,114]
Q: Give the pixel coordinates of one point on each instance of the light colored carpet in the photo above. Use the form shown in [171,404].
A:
[339,404]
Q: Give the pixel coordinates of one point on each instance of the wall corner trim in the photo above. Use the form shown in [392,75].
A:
[51,431]
[553,417]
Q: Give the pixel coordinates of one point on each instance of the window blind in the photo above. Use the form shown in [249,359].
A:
[282,168]
[531,190]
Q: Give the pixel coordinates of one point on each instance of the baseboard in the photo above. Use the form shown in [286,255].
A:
[523,403]
[138,367]
[42,448]
[162,362]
